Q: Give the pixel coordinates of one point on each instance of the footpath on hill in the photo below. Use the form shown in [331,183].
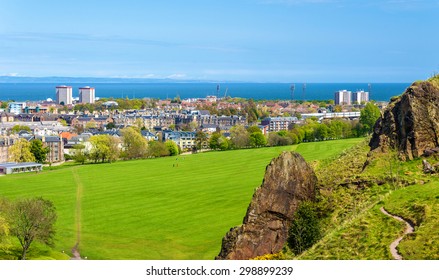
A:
[79,190]
[409,229]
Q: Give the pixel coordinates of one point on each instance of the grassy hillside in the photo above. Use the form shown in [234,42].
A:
[166,208]
[355,228]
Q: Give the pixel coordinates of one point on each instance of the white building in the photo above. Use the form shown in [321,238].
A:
[16,107]
[64,95]
[86,95]
[343,97]
[360,96]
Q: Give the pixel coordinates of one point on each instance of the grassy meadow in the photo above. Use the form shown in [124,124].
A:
[164,208]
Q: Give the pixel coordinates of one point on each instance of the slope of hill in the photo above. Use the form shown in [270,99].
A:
[352,193]
[165,208]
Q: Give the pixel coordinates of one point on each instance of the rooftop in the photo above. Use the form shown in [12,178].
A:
[19,164]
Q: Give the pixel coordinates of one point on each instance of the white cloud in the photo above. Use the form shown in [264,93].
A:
[176,76]
[11,75]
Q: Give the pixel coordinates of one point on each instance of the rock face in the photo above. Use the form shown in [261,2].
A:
[410,124]
[288,180]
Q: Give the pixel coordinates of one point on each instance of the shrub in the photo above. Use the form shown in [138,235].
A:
[305,229]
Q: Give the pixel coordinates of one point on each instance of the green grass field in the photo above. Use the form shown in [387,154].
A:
[165,208]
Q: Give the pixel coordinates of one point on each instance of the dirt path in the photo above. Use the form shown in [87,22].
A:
[79,189]
[408,229]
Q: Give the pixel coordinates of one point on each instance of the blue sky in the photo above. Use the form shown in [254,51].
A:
[240,40]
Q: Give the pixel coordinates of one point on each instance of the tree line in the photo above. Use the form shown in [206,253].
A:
[132,145]
[309,131]
[106,148]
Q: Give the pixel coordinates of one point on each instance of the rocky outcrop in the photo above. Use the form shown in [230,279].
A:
[288,180]
[410,124]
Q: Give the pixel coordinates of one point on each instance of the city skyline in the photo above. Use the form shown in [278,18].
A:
[249,40]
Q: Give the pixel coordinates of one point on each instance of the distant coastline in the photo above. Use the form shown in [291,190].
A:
[36,89]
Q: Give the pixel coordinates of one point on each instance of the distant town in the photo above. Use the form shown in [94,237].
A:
[65,122]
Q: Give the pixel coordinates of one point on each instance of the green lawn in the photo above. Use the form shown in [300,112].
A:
[154,209]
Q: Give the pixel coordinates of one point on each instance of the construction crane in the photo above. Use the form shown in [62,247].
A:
[292,88]
[217,90]
[225,93]
[303,91]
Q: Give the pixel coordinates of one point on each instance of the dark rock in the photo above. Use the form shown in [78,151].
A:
[430,152]
[288,180]
[410,124]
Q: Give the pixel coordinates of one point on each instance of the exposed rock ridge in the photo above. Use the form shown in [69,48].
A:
[288,180]
[410,124]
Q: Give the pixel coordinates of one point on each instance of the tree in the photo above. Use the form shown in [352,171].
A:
[224,143]
[239,136]
[200,139]
[368,116]
[110,125]
[91,124]
[104,148]
[17,128]
[38,150]
[213,140]
[4,225]
[32,219]
[157,149]
[20,151]
[61,121]
[172,148]
[80,154]
[253,128]
[257,139]
[305,229]
[134,144]
[4,105]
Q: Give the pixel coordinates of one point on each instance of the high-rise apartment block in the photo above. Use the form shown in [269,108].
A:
[342,97]
[64,95]
[360,97]
[86,95]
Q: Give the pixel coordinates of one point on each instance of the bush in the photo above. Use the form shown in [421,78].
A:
[305,229]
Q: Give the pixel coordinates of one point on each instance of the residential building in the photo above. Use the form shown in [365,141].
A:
[149,136]
[184,139]
[86,95]
[35,109]
[91,122]
[360,97]
[56,147]
[16,107]
[278,123]
[64,95]
[343,97]
[6,117]
[5,143]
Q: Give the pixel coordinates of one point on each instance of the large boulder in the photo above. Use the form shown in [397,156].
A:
[410,124]
[288,180]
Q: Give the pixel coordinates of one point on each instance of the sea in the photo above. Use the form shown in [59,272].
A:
[257,91]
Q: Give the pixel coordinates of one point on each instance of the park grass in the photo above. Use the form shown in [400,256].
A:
[327,149]
[164,208]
